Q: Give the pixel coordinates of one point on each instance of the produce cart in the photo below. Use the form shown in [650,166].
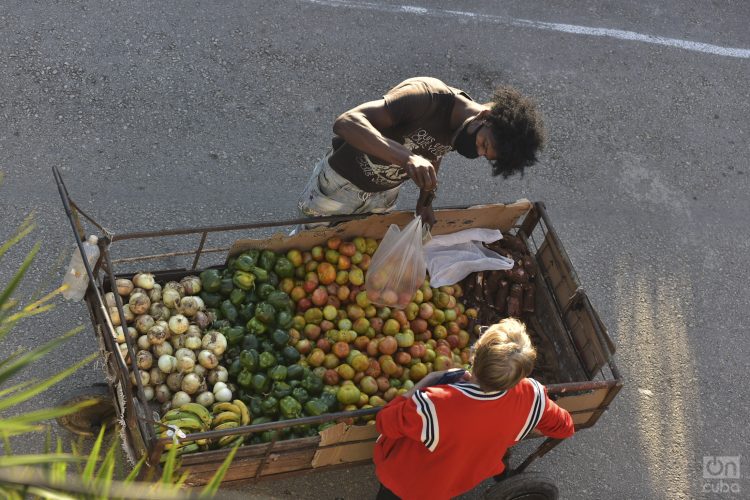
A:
[576,351]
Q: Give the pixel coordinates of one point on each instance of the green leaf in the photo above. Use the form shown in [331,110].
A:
[15,460]
[170,464]
[47,413]
[134,473]
[88,471]
[23,231]
[213,486]
[17,387]
[46,384]
[57,471]
[16,279]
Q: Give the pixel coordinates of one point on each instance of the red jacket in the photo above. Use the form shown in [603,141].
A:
[446,439]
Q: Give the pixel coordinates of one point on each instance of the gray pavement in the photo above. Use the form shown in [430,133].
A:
[171,114]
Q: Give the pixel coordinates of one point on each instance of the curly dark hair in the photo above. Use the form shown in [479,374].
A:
[517,129]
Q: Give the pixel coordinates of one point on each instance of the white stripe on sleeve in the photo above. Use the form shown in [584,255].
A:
[430,430]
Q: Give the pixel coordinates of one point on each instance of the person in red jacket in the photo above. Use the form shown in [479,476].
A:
[441,441]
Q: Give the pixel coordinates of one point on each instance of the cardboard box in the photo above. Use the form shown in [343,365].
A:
[344,443]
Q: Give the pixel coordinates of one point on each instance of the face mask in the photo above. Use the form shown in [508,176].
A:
[465,143]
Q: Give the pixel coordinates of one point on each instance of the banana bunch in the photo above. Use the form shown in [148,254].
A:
[189,418]
[228,415]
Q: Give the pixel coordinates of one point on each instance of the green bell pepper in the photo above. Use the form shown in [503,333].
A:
[250,341]
[210,299]
[283,268]
[233,334]
[312,384]
[210,280]
[267,360]
[279,300]
[237,297]
[234,368]
[227,285]
[256,326]
[250,360]
[261,383]
[280,337]
[260,274]
[245,262]
[280,389]
[315,407]
[265,312]
[291,355]
[270,406]
[329,399]
[245,379]
[229,311]
[243,280]
[300,395]
[267,260]
[294,372]
[264,290]
[284,319]
[277,373]
[290,407]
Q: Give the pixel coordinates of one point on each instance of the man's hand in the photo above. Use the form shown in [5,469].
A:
[427,214]
[422,172]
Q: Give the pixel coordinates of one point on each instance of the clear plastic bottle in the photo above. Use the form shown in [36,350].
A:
[76,277]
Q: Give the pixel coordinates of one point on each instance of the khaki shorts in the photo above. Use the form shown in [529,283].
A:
[328,193]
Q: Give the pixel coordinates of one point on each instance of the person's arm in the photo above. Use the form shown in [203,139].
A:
[361,127]
[411,417]
[556,422]
[424,202]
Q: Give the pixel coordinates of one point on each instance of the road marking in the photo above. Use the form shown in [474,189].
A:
[526,23]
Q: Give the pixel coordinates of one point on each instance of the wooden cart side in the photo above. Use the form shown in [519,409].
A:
[582,324]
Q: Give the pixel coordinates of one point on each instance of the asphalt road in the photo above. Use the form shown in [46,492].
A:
[172,114]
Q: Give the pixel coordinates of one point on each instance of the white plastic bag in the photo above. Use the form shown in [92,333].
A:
[452,257]
[398,266]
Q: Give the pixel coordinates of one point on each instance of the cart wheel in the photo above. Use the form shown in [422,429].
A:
[527,486]
[89,420]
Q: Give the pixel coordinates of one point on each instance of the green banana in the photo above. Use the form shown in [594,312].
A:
[188,424]
[227,425]
[228,441]
[199,410]
[226,406]
[244,412]
[225,416]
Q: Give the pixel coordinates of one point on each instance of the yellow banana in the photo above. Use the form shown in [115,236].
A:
[199,410]
[245,413]
[227,425]
[225,416]
[188,424]
[226,406]
[182,415]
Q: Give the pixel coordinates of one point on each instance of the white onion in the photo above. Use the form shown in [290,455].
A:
[162,349]
[190,305]
[191,383]
[177,341]
[155,293]
[193,343]
[124,286]
[144,322]
[162,393]
[205,398]
[223,395]
[156,376]
[180,398]
[170,297]
[173,285]
[167,363]
[109,299]
[219,374]
[191,285]
[139,303]
[219,386]
[120,335]
[199,370]
[114,316]
[174,381]
[124,352]
[144,280]
[159,311]
[178,324]
[157,334]
[148,392]
[207,359]
[215,342]
[143,343]
[185,352]
[201,319]
[144,359]
[144,378]
[185,364]
[129,316]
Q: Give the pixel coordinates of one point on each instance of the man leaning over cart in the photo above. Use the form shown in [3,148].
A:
[440,441]
[380,144]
